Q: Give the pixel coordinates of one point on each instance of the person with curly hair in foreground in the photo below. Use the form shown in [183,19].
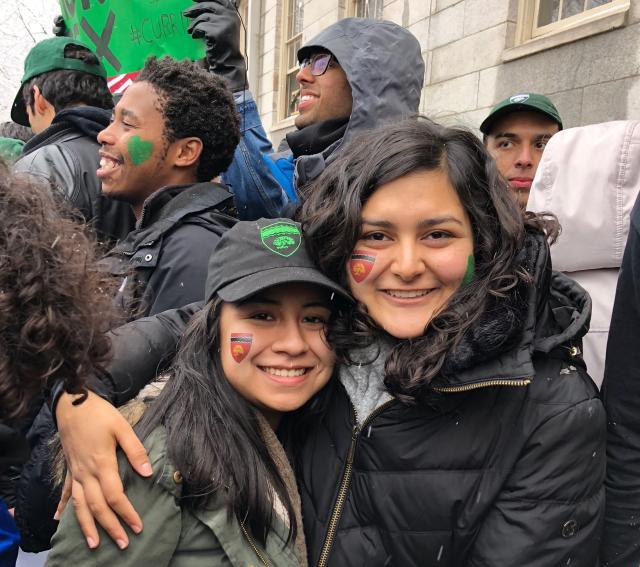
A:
[54,308]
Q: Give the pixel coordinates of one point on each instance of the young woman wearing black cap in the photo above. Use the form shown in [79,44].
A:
[223,492]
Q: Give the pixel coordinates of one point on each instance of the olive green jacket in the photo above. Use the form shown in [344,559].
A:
[172,535]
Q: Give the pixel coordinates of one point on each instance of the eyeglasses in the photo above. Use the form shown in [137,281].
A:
[319,63]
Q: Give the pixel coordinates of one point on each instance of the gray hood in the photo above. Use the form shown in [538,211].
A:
[385,69]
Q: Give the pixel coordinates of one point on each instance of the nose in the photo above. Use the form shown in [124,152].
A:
[408,263]
[304,75]
[290,340]
[105,137]
[525,157]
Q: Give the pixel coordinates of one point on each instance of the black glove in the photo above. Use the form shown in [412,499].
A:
[217,21]
[59,27]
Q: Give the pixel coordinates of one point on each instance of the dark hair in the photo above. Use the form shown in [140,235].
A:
[55,305]
[15,131]
[64,88]
[331,219]
[196,103]
[213,435]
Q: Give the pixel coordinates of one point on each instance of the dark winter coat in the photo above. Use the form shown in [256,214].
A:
[621,391]
[505,467]
[66,156]
[163,262]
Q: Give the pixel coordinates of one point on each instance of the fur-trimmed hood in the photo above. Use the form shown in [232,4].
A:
[552,312]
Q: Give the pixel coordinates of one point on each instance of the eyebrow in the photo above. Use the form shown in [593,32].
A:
[128,113]
[426,223]
[261,300]
[512,136]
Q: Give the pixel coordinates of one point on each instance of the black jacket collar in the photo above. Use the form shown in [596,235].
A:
[81,121]
[168,206]
[553,312]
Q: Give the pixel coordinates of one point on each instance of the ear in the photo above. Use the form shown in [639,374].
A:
[40,104]
[187,152]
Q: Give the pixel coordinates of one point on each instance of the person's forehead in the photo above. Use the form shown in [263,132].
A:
[524,122]
[298,292]
[142,101]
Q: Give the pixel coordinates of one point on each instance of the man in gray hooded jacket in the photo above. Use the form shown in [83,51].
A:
[355,75]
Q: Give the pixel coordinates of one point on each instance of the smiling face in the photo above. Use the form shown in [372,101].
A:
[273,347]
[409,260]
[517,142]
[136,159]
[323,97]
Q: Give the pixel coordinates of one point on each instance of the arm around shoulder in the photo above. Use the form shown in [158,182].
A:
[158,507]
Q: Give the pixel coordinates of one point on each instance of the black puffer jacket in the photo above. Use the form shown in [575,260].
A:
[496,472]
[66,156]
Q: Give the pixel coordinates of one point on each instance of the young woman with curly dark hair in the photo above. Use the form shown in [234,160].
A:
[54,309]
[54,304]
[465,430]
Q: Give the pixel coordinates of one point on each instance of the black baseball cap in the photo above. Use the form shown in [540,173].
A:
[255,255]
[48,55]
[519,102]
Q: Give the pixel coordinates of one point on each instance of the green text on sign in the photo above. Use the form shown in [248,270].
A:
[125,32]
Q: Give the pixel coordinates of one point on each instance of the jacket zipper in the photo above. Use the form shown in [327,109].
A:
[262,558]
[486,384]
[346,481]
[348,468]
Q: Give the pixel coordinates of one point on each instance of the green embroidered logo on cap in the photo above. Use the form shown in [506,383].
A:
[282,238]
[519,98]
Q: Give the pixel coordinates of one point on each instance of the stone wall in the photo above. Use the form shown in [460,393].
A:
[593,79]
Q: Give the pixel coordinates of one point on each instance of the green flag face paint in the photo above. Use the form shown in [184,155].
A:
[240,345]
[361,264]
[140,150]
[470,271]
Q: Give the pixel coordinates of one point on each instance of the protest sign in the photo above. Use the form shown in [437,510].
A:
[125,32]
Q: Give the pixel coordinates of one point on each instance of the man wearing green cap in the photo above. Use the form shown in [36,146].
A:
[516,133]
[65,99]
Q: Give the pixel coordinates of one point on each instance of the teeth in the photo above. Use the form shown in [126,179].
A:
[106,162]
[285,373]
[407,294]
[306,97]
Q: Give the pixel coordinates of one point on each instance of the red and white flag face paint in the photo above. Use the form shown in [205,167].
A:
[361,264]
[240,345]
[119,83]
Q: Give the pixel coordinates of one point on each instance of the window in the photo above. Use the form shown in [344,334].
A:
[552,15]
[365,8]
[293,15]
[543,24]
